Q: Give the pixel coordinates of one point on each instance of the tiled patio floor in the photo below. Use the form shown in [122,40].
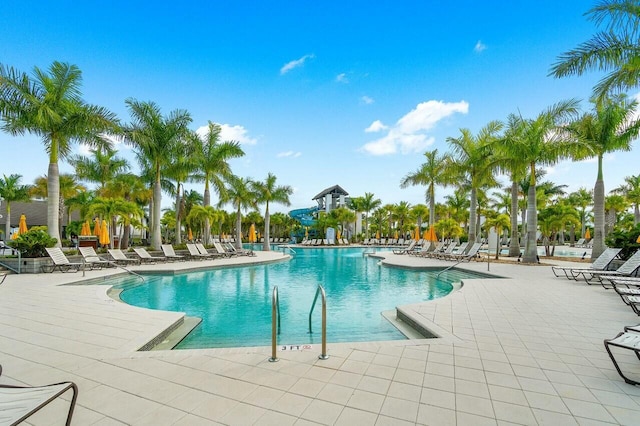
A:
[525,350]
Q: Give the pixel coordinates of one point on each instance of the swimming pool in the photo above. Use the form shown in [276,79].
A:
[235,303]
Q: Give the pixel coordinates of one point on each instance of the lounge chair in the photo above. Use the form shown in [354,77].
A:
[629,340]
[345,241]
[92,259]
[448,251]
[170,253]
[60,261]
[18,403]
[202,249]
[144,256]
[468,256]
[627,269]
[194,253]
[3,275]
[579,243]
[221,250]
[120,258]
[229,248]
[407,249]
[600,264]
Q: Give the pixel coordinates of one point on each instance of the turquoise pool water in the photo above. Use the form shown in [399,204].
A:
[235,303]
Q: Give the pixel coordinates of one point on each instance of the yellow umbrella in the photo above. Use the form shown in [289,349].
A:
[377,235]
[22,226]
[425,235]
[638,239]
[96,228]
[190,235]
[86,229]
[432,234]
[416,234]
[395,235]
[587,234]
[339,235]
[252,233]
[14,236]
[104,234]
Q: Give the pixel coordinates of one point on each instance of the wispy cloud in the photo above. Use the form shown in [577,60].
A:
[342,78]
[409,134]
[376,126]
[480,47]
[288,154]
[296,63]
[230,133]
[367,100]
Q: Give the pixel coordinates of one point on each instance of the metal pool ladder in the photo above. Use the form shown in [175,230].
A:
[320,291]
[275,324]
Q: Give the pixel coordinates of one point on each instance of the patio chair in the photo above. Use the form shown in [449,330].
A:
[60,261]
[407,249]
[120,258]
[18,403]
[229,248]
[220,250]
[629,340]
[170,253]
[146,257]
[194,253]
[579,243]
[448,251]
[468,256]
[627,269]
[203,250]
[92,259]
[600,264]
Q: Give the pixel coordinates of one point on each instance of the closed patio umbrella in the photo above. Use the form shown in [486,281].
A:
[252,233]
[587,234]
[190,235]
[104,234]
[416,234]
[96,228]
[86,229]
[377,235]
[638,239]
[431,236]
[395,235]
[22,226]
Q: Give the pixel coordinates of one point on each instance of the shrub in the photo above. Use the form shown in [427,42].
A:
[624,239]
[33,242]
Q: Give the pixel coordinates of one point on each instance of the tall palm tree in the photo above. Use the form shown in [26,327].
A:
[369,203]
[401,213]
[610,127]
[631,190]
[102,167]
[182,164]
[110,208]
[544,142]
[613,50]
[430,173]
[419,212]
[82,202]
[50,105]
[474,163]
[581,199]
[212,157]
[130,188]
[11,190]
[154,137]
[268,192]
[613,204]
[239,193]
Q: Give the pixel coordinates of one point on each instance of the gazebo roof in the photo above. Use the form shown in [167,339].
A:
[335,189]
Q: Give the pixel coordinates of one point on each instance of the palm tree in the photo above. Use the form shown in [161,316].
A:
[610,127]
[183,163]
[68,188]
[500,222]
[101,168]
[419,212]
[110,208]
[369,203]
[200,216]
[631,190]
[474,164]
[239,193]
[581,199]
[212,157]
[614,204]
[10,191]
[401,214]
[544,142]
[50,105]
[130,188]
[431,173]
[268,192]
[154,138]
[82,202]
[357,205]
[343,215]
[613,50]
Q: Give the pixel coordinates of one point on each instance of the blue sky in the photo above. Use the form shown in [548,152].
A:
[323,93]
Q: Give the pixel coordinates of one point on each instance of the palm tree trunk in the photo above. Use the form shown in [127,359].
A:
[238,229]
[598,219]
[472,218]
[207,223]
[156,236]
[53,202]
[267,223]
[178,213]
[531,249]
[432,218]
[7,225]
[514,244]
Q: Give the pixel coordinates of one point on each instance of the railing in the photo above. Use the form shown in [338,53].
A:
[275,324]
[16,270]
[286,247]
[320,291]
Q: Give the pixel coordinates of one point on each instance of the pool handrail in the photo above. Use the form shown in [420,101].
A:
[320,291]
[275,324]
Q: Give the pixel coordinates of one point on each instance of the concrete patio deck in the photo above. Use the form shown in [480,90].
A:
[524,350]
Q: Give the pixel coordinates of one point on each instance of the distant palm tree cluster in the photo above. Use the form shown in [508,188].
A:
[49,104]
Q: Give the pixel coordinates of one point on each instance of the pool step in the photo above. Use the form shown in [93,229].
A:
[177,334]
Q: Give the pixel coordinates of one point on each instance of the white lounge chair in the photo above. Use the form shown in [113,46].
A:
[194,253]
[120,258]
[146,257]
[170,253]
[60,261]
[600,264]
[92,259]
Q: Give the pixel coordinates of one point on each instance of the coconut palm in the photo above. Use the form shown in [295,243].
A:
[239,193]
[343,215]
[269,192]
[182,164]
[102,167]
[68,188]
[212,157]
[610,127]
[130,188]
[11,190]
[613,204]
[581,199]
[369,203]
[50,105]
[82,203]
[473,162]
[154,137]
[110,209]
[613,50]
[631,190]
[419,212]
[199,216]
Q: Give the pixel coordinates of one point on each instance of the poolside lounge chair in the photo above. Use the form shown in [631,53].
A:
[345,241]
[446,252]
[407,249]
[194,253]
[146,257]
[600,264]
[170,253]
[92,259]
[579,243]
[120,258]
[18,403]
[60,261]
[229,248]
[221,250]
[468,256]
[628,268]
[202,249]
[629,340]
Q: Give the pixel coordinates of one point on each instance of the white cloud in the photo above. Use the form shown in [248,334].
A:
[376,126]
[367,100]
[409,133]
[288,154]
[342,78]
[479,47]
[295,64]
[230,133]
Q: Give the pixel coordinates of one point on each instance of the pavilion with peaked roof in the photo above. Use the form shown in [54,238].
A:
[331,198]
